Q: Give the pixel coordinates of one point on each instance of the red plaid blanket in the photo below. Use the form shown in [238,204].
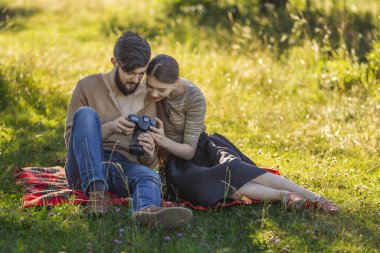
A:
[48,186]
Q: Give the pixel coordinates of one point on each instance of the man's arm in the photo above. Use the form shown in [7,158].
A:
[77,100]
[118,126]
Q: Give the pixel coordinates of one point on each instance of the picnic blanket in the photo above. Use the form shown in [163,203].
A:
[48,186]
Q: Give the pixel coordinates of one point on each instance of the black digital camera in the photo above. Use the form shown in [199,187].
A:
[143,124]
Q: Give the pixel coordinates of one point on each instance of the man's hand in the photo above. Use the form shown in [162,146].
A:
[147,142]
[122,126]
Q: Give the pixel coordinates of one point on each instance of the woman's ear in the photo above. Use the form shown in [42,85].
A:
[114,61]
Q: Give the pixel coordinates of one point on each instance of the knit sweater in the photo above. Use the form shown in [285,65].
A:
[98,92]
[183,115]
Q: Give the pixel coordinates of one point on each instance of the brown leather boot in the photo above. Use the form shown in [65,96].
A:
[97,204]
[164,217]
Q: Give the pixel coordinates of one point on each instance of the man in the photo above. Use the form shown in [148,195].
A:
[98,136]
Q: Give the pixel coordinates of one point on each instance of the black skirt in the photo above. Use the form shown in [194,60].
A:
[216,171]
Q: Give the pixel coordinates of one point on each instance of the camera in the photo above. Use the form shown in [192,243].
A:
[143,124]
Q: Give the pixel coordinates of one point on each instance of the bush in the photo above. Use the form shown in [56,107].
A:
[374,62]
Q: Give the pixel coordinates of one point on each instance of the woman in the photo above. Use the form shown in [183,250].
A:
[205,169]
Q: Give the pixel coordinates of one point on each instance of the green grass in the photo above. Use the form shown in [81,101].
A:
[296,90]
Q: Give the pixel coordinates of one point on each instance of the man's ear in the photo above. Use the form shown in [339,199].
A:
[114,61]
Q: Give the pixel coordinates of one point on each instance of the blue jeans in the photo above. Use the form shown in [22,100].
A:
[87,163]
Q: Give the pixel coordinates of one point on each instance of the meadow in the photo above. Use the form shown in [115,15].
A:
[296,89]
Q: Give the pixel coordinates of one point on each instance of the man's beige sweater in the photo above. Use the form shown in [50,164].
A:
[98,92]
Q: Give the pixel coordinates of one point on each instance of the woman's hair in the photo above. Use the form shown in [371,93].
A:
[164,68]
[131,51]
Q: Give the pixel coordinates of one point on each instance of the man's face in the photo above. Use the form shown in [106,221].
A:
[130,80]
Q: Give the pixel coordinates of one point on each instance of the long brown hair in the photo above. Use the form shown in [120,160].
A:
[166,70]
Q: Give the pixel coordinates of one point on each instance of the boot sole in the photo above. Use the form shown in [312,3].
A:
[167,218]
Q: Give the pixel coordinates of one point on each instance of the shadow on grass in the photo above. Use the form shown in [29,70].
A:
[33,232]
[65,228]
[263,227]
[9,14]
[314,231]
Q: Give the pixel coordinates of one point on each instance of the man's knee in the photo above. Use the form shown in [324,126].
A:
[86,111]
[150,174]
[86,115]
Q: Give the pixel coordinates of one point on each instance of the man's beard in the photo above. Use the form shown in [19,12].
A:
[122,88]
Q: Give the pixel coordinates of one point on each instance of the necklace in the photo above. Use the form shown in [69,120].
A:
[119,103]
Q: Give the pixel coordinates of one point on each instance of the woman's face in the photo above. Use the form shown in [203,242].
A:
[158,90]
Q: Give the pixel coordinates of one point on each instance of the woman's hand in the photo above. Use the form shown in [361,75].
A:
[146,141]
[181,150]
[122,126]
[158,133]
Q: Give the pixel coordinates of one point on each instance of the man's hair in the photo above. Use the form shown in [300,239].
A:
[164,68]
[131,51]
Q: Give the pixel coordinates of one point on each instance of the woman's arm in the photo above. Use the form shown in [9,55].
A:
[181,150]
[195,110]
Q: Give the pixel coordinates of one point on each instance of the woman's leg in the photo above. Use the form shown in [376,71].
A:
[259,192]
[271,187]
[280,183]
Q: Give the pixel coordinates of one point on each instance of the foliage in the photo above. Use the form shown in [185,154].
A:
[296,89]
[284,28]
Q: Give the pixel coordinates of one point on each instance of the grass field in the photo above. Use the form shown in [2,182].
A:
[297,90]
